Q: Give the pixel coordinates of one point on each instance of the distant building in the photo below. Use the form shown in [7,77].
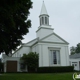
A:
[75,61]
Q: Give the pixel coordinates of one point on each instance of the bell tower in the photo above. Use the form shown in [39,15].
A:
[44,17]
[44,29]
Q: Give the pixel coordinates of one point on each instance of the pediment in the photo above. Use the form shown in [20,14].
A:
[54,38]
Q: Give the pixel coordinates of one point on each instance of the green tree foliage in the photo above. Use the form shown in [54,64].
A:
[1,66]
[31,60]
[14,23]
[72,50]
[78,48]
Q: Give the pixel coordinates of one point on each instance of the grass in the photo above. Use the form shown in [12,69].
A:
[41,76]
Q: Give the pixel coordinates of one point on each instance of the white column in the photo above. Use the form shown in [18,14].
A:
[40,56]
[78,65]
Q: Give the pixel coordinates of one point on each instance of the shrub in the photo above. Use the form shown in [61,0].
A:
[1,67]
[31,60]
[55,69]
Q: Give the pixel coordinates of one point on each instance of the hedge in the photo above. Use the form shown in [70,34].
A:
[55,69]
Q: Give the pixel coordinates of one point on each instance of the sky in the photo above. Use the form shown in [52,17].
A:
[64,18]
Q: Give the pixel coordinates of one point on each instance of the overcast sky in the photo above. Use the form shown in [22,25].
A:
[64,18]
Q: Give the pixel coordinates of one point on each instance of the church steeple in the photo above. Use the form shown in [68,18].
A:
[44,29]
[43,9]
[44,17]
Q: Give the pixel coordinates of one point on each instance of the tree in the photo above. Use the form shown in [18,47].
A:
[78,48]
[14,23]
[31,60]
[0,60]
[72,50]
[1,66]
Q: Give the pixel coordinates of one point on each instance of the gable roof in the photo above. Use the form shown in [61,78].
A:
[17,50]
[76,55]
[30,43]
[47,38]
[36,40]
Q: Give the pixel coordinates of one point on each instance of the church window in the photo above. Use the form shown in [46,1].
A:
[55,57]
[72,64]
[75,64]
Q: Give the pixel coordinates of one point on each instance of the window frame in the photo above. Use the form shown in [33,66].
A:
[55,58]
[50,62]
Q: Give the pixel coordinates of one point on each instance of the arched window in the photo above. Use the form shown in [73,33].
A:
[42,20]
[46,22]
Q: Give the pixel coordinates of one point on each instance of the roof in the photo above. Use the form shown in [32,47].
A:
[28,44]
[17,49]
[56,36]
[43,9]
[36,40]
[76,55]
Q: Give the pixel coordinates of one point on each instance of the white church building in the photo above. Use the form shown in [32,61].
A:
[52,49]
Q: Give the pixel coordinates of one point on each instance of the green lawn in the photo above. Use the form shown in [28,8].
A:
[46,76]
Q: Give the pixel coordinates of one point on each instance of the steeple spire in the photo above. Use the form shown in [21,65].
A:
[44,17]
[44,29]
[43,9]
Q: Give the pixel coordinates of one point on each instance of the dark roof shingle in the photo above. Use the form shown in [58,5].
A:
[76,55]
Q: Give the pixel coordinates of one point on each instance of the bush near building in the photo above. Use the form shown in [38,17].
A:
[56,69]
